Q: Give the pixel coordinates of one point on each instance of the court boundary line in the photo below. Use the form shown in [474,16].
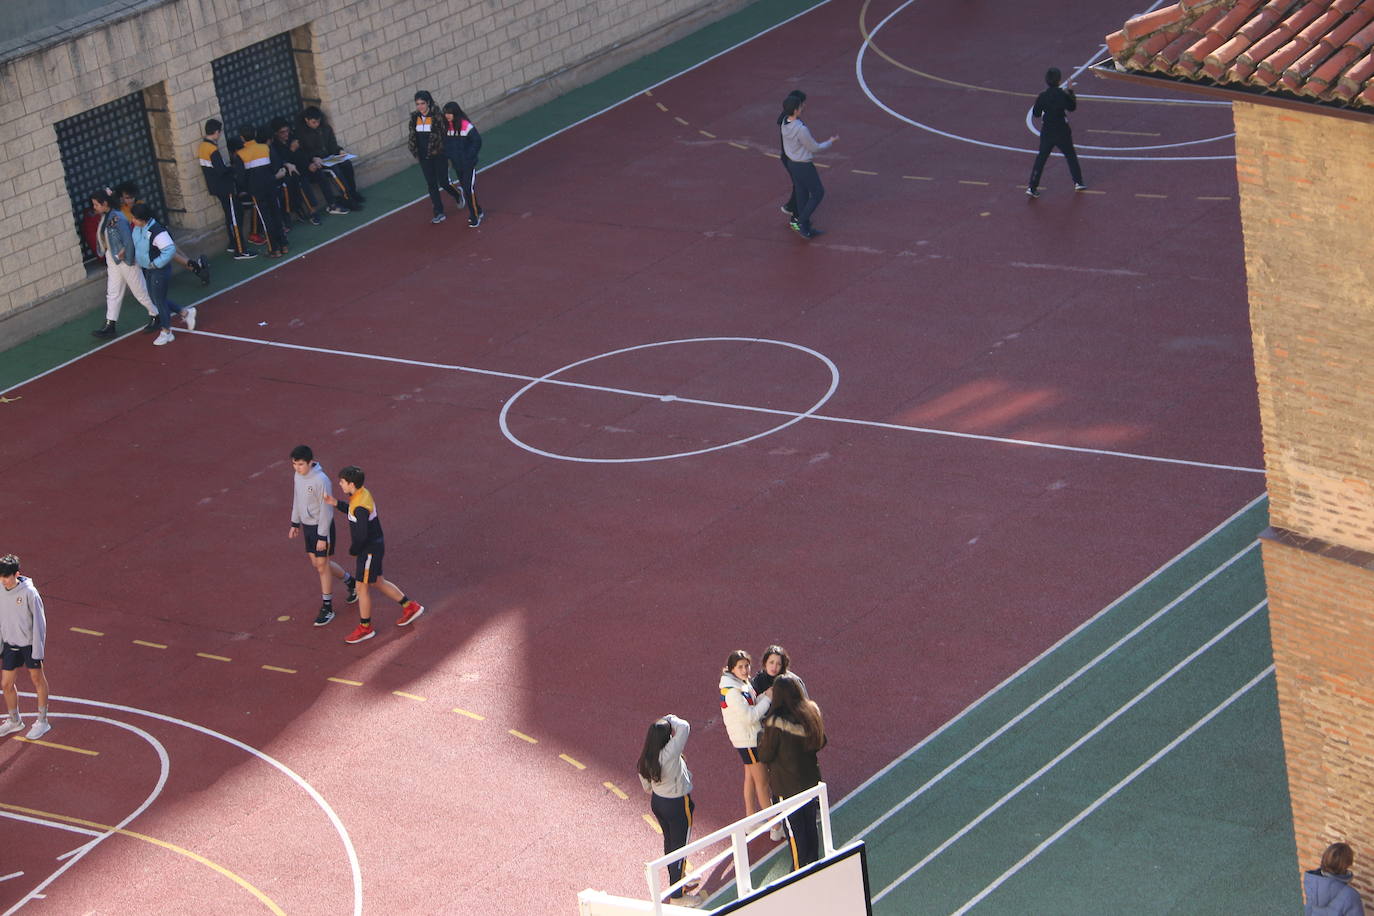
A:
[1114,790]
[1060,643]
[1057,689]
[76,855]
[668,398]
[262,755]
[399,207]
[1077,743]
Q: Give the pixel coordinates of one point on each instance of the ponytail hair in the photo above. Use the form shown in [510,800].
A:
[650,767]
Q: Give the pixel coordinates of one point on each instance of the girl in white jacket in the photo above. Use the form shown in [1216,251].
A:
[743,712]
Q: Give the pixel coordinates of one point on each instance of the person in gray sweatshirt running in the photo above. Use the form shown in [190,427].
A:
[309,514]
[664,775]
[23,638]
[800,148]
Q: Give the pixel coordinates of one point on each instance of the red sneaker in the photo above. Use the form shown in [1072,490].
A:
[409,612]
[364,631]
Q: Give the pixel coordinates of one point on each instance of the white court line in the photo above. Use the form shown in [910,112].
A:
[397,209]
[79,853]
[1053,692]
[1062,755]
[310,790]
[18,874]
[863,85]
[45,822]
[660,396]
[1112,792]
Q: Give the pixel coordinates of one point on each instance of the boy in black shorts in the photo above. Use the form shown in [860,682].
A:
[368,546]
[308,513]
[23,632]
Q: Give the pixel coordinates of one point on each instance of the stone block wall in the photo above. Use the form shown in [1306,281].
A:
[1307,210]
[361,59]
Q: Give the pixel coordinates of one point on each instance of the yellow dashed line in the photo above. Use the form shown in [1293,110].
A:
[283,618]
[820,165]
[981,184]
[578,764]
[917,178]
[345,681]
[409,696]
[652,822]
[1154,196]
[60,747]
[1214,198]
[615,790]
[522,736]
[87,632]
[150,645]
[470,715]
[683,121]
[773,155]
[661,106]
[275,668]
[862,172]
[1090,191]
[213,658]
[707,133]
[986,213]
[738,145]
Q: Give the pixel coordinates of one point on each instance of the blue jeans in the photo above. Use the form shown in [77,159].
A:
[157,278]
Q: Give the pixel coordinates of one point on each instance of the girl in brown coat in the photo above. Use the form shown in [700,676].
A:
[792,734]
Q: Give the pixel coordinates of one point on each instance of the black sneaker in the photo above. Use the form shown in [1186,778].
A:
[201,266]
[812,233]
[1032,192]
[475,221]
[326,615]
[352,592]
[154,324]
[245,255]
[314,220]
[105,331]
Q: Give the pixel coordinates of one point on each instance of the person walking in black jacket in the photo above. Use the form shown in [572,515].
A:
[427,146]
[1052,107]
[462,144]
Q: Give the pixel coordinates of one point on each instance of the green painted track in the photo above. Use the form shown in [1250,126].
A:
[1085,784]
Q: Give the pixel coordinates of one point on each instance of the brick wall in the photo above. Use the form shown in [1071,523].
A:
[362,59]
[1307,211]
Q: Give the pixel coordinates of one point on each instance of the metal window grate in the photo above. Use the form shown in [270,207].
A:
[258,83]
[104,147]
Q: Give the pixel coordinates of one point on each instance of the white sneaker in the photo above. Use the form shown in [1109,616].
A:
[164,338]
[777,833]
[40,728]
[188,315]
[11,726]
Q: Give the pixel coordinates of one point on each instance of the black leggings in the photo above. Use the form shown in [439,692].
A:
[435,169]
[802,835]
[675,818]
[1048,141]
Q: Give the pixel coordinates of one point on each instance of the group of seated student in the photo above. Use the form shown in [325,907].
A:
[270,177]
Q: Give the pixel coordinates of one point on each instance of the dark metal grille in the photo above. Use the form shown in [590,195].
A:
[104,147]
[257,84]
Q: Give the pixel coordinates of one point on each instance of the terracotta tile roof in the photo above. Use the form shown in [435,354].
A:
[1304,49]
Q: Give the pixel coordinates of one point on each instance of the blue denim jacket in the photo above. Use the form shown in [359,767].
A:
[116,235]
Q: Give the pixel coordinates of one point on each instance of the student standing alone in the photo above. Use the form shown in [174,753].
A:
[1052,107]
[800,148]
[23,633]
[663,773]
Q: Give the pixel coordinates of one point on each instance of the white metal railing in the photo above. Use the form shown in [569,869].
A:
[739,834]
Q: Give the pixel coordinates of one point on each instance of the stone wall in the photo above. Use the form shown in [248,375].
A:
[362,59]
[1307,210]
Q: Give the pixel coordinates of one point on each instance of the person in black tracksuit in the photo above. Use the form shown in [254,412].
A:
[427,146]
[219,181]
[1052,107]
[462,143]
[254,169]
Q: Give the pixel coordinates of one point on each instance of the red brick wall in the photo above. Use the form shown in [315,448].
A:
[1307,212]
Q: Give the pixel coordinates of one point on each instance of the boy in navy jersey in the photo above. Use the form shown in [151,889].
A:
[368,546]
